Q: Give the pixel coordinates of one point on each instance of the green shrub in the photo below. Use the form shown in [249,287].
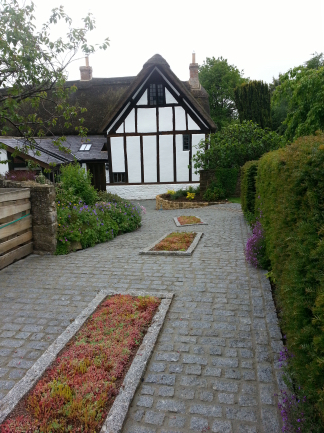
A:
[109,197]
[214,192]
[227,178]
[248,189]
[77,181]
[290,195]
[89,225]
[234,145]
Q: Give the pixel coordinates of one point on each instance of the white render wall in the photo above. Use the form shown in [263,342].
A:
[149,158]
[182,160]
[3,157]
[146,120]
[145,192]
[117,154]
[166,158]
[133,159]
[195,140]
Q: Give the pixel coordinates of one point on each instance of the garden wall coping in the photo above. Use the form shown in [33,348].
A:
[117,414]
[188,252]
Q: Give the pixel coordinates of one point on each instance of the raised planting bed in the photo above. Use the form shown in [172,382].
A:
[174,244]
[188,221]
[164,202]
[95,375]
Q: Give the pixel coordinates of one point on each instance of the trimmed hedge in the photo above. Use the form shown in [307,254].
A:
[290,184]
[248,188]
[227,179]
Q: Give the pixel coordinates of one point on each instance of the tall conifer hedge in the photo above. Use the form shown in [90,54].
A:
[290,192]
[252,101]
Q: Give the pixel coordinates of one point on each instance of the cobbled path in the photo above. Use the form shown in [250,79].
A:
[215,365]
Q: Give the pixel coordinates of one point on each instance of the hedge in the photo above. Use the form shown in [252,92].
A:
[227,178]
[290,184]
[248,179]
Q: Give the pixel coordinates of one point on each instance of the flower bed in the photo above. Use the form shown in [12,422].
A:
[79,224]
[175,242]
[76,392]
[162,201]
[188,221]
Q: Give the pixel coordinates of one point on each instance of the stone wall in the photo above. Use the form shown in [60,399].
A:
[170,204]
[207,176]
[44,215]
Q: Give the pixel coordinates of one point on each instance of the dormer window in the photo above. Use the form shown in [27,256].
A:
[85,146]
[156,94]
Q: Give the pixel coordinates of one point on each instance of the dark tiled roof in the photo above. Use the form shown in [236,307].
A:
[51,154]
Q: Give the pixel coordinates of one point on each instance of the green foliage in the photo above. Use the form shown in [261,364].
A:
[248,189]
[227,179]
[76,182]
[220,79]
[214,192]
[109,197]
[183,192]
[234,145]
[90,225]
[32,72]
[303,91]
[290,183]
[253,102]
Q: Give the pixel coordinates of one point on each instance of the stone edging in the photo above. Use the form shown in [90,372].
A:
[119,409]
[194,224]
[188,252]
[172,204]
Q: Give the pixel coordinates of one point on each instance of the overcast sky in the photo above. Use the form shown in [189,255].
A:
[261,37]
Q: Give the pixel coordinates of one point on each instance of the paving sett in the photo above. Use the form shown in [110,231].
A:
[214,367]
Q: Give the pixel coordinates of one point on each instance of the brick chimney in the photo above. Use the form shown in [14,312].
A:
[86,71]
[193,68]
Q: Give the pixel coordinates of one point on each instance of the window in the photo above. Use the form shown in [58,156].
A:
[85,146]
[119,177]
[186,142]
[156,95]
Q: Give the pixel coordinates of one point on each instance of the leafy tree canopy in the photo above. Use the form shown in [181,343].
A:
[33,72]
[220,79]
[234,145]
[298,99]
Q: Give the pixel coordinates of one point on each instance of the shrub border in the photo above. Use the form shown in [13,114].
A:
[188,252]
[117,414]
[194,224]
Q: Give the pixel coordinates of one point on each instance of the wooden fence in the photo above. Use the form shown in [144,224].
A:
[15,225]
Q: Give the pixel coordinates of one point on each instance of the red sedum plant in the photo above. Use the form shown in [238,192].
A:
[175,242]
[75,394]
[188,220]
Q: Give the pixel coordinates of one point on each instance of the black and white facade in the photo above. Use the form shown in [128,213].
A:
[152,136]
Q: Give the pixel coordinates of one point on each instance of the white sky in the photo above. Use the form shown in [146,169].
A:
[261,37]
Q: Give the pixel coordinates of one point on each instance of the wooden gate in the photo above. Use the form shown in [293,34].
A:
[15,225]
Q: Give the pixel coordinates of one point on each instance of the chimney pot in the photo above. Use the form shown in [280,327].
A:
[86,71]
[193,69]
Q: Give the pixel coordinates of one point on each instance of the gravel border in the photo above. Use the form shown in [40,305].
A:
[119,409]
[194,224]
[188,252]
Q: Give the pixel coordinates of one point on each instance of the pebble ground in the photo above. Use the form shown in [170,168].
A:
[215,365]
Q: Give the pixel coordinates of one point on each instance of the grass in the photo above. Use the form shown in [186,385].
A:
[234,200]
[77,391]
[175,242]
[188,220]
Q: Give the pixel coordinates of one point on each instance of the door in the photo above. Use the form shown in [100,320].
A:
[98,172]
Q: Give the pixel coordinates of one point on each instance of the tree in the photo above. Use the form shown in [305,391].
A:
[33,72]
[253,102]
[220,79]
[296,104]
[234,145]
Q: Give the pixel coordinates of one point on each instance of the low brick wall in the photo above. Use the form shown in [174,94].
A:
[44,215]
[170,204]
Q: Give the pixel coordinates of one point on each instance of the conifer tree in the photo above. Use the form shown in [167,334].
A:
[253,102]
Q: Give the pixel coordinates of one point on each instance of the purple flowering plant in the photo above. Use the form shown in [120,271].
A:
[255,250]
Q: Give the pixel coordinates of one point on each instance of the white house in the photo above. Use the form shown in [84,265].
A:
[142,131]
[153,131]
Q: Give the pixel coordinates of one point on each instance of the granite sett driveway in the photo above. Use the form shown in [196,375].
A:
[215,365]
